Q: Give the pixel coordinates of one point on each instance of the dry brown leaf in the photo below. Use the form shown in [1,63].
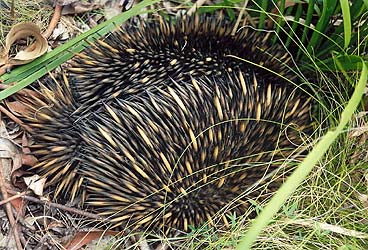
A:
[10,157]
[22,31]
[27,158]
[35,183]
[82,238]
[16,179]
[79,7]
[9,151]
[17,107]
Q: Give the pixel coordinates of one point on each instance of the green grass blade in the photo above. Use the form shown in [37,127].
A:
[327,11]
[304,168]
[262,15]
[295,24]
[280,20]
[308,21]
[347,62]
[347,21]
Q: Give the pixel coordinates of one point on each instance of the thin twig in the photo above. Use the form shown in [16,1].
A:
[8,209]
[12,12]
[62,207]
[20,234]
[53,22]
[13,197]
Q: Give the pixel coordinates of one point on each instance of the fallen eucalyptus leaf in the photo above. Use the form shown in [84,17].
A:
[22,31]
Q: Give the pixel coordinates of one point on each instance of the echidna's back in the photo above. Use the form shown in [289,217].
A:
[171,125]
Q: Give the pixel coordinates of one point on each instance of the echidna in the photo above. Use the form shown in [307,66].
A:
[168,124]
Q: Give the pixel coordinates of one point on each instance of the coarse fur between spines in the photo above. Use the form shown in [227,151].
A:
[201,146]
[141,58]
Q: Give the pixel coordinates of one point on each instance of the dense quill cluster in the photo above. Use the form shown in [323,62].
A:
[184,175]
[169,125]
[140,59]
